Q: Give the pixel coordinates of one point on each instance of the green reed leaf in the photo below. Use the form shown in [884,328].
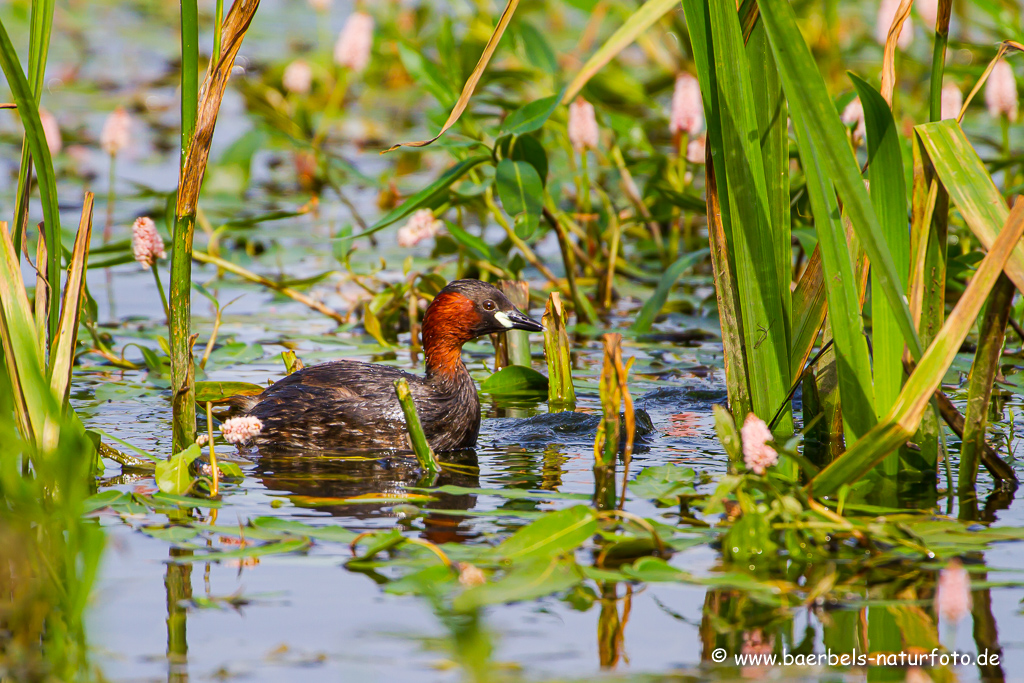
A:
[652,307]
[812,110]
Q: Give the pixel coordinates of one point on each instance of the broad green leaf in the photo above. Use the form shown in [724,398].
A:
[806,92]
[515,380]
[526,225]
[652,307]
[524,148]
[214,392]
[519,187]
[526,581]
[532,116]
[428,196]
[552,535]
[173,474]
[638,22]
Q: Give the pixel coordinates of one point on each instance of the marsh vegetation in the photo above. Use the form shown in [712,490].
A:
[776,248]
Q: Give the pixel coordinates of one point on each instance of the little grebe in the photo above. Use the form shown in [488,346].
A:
[352,405]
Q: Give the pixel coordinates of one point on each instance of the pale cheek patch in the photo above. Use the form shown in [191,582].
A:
[503,319]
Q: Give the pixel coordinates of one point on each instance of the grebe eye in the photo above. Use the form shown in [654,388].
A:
[488,305]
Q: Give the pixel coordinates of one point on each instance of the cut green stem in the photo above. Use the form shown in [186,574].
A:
[417,438]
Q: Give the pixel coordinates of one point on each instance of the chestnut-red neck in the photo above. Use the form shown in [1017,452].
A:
[449,323]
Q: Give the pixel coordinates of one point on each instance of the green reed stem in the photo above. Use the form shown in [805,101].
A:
[417,438]
[218,22]
[518,292]
[179,326]
[561,393]
[41,22]
[180,304]
[939,58]
[215,487]
[189,72]
[584,309]
[26,100]
[979,394]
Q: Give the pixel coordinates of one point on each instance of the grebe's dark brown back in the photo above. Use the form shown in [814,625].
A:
[347,405]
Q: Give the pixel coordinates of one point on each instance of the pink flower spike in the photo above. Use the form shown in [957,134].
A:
[757,454]
[695,150]
[952,100]
[687,107]
[853,115]
[147,245]
[355,41]
[1001,91]
[297,77]
[320,5]
[886,13]
[52,132]
[116,133]
[928,10]
[953,593]
[583,130]
[420,226]
[240,429]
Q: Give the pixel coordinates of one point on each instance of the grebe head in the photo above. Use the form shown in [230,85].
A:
[464,310]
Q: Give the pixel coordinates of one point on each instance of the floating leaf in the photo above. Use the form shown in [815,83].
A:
[215,392]
[526,581]
[173,475]
[515,380]
[664,483]
[557,533]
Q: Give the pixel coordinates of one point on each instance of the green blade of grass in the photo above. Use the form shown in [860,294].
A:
[656,302]
[638,22]
[21,352]
[773,133]
[719,216]
[29,113]
[754,253]
[805,89]
[970,187]
[853,366]
[41,22]
[62,355]
[889,198]
[905,416]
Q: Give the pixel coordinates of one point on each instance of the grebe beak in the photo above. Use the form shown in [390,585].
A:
[515,320]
